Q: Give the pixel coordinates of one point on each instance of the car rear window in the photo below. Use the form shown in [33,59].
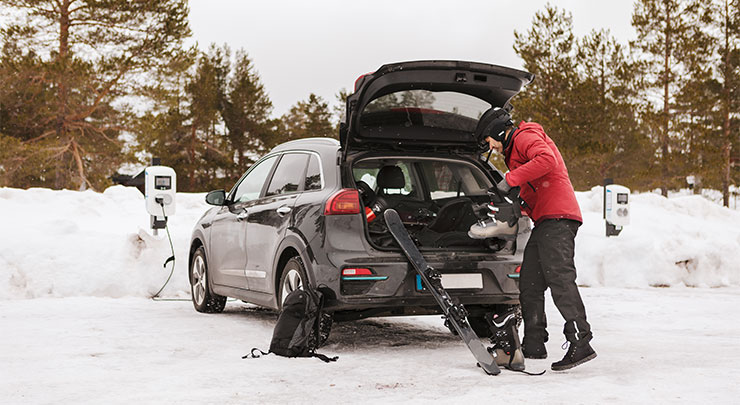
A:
[424,108]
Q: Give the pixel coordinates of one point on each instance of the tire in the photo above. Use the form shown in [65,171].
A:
[292,277]
[204,300]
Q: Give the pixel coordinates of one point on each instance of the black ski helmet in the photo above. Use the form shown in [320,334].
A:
[493,123]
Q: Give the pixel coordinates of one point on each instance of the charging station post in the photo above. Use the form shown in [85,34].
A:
[616,207]
[160,186]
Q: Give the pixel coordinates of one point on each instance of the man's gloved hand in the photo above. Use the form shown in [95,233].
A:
[503,186]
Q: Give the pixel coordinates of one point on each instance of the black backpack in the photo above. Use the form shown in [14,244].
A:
[298,329]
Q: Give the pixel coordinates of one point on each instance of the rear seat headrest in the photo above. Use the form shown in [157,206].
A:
[390,177]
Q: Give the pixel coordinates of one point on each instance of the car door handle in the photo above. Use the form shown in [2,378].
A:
[242,216]
[283,210]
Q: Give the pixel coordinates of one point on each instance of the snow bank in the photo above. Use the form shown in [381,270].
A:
[685,240]
[70,243]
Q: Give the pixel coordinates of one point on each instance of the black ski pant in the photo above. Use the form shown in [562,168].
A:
[548,262]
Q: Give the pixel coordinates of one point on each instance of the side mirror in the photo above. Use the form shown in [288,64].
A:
[216,197]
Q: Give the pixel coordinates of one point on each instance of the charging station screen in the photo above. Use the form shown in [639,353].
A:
[162,182]
[621,198]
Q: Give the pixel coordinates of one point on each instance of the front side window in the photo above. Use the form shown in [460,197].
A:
[288,175]
[251,185]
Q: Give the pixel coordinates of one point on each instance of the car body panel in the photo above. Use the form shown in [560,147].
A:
[228,244]
[267,227]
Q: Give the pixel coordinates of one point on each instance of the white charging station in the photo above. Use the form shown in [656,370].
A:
[616,208]
[160,186]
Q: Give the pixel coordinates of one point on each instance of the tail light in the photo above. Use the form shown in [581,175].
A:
[361,274]
[346,201]
[356,272]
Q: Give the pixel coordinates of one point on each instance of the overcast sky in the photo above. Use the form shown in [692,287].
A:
[318,46]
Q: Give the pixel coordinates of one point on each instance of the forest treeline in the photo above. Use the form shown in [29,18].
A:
[89,87]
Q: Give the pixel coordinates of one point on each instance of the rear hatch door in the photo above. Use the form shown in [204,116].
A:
[426,105]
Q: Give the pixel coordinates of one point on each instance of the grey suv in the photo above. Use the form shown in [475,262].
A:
[310,211]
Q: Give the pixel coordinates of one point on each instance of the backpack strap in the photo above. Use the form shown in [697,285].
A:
[325,359]
[252,354]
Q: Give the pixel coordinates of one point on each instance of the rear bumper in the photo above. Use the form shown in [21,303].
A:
[393,291]
[401,288]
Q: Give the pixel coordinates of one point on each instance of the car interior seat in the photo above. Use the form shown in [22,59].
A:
[456,215]
[390,177]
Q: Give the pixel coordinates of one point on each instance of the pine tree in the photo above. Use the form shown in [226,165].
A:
[163,131]
[663,28]
[207,144]
[310,118]
[246,112]
[711,97]
[211,118]
[603,123]
[90,53]
[547,49]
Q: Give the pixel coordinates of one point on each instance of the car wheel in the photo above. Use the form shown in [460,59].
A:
[293,278]
[204,300]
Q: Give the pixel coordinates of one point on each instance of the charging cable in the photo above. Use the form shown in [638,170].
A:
[156,296]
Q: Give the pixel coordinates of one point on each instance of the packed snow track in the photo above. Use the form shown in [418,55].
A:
[655,345]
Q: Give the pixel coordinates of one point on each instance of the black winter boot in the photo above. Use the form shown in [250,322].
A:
[579,352]
[534,350]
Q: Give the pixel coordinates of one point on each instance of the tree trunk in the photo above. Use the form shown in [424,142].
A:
[727,146]
[666,83]
[191,166]
[62,131]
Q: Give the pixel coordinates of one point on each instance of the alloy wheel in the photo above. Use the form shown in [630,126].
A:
[199,280]
[293,281]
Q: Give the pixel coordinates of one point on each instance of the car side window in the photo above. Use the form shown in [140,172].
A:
[447,179]
[251,185]
[288,175]
[313,174]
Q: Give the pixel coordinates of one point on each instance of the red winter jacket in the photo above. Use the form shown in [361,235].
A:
[536,166]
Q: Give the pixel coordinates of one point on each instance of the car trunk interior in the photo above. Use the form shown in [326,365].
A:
[438,199]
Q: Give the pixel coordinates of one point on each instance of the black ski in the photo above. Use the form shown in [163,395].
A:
[455,313]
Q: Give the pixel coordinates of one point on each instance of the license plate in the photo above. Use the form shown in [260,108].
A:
[456,281]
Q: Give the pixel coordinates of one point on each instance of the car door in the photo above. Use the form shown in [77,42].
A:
[229,238]
[268,221]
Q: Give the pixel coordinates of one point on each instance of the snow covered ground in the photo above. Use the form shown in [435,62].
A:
[76,269]
[675,345]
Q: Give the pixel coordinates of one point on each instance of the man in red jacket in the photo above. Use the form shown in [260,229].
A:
[537,167]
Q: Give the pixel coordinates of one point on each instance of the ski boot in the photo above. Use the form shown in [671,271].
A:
[579,352]
[505,339]
[492,228]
